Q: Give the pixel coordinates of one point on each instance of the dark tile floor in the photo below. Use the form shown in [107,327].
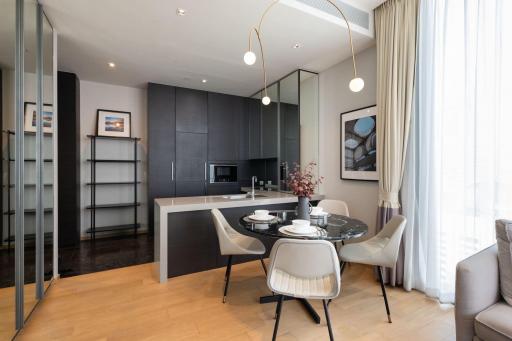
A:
[89,256]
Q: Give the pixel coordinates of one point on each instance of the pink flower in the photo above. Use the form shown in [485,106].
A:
[303,183]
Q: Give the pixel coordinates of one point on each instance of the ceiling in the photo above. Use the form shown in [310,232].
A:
[148,42]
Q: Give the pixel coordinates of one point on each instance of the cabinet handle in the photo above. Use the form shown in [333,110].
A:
[172,170]
[205,175]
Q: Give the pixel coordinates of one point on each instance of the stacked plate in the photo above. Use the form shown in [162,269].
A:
[261,216]
[299,227]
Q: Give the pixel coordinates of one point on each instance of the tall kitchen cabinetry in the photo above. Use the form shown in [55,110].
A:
[191,142]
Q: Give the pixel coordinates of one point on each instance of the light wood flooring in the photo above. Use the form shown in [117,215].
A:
[128,304]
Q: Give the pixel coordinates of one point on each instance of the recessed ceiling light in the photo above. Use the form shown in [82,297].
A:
[181,12]
[111,65]
[297,46]
[204,80]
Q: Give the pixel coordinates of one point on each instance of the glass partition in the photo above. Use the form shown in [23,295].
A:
[288,135]
[48,140]
[309,115]
[7,236]
[29,160]
[289,129]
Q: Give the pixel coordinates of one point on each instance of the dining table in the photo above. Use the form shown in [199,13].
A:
[331,227]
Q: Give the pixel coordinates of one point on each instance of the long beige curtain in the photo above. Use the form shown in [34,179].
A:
[395,29]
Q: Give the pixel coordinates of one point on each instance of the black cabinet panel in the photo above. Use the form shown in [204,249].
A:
[69,158]
[191,149]
[161,144]
[193,245]
[191,110]
[290,134]
[254,118]
[221,189]
[269,124]
[224,114]
[190,188]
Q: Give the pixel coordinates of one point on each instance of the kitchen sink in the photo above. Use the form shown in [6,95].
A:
[242,196]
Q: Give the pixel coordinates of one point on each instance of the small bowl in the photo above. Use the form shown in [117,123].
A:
[301,224]
[261,213]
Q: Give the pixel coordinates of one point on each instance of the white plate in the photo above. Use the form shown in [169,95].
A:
[257,218]
[292,229]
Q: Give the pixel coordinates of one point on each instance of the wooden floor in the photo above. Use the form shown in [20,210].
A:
[128,304]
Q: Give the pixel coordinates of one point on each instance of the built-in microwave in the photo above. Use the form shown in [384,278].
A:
[222,173]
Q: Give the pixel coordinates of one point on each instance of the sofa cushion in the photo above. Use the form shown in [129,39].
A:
[504,241]
[495,323]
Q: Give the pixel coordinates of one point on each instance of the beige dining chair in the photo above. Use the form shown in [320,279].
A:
[380,251]
[338,207]
[233,243]
[304,269]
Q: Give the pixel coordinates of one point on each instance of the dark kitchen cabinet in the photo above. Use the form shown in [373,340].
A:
[191,160]
[269,123]
[191,111]
[69,158]
[224,115]
[161,144]
[254,120]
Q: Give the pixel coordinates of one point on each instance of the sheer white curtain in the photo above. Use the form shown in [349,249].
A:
[458,176]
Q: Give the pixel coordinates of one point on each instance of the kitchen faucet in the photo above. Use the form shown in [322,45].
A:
[253,180]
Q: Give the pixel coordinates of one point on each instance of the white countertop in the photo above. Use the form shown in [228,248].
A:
[184,204]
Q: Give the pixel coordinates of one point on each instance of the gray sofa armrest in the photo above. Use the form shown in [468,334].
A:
[477,286]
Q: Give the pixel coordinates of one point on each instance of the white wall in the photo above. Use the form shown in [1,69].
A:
[336,98]
[94,96]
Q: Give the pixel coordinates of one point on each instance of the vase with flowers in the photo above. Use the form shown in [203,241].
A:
[303,184]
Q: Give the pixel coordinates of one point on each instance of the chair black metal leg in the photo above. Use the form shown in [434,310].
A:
[278,316]
[326,309]
[228,273]
[379,270]
[263,265]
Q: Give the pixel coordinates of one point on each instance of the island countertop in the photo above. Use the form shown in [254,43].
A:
[166,206]
[184,204]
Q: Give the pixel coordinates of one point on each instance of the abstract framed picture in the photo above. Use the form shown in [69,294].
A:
[31,117]
[358,136]
[113,123]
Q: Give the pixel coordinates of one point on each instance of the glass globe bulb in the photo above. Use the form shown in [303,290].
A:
[356,84]
[249,58]
[265,100]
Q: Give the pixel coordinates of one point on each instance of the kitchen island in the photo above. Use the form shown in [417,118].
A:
[185,237]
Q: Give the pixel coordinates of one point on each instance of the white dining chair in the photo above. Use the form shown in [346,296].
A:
[338,207]
[380,251]
[304,269]
[233,243]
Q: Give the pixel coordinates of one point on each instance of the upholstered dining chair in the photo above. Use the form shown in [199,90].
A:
[304,269]
[380,251]
[334,206]
[233,243]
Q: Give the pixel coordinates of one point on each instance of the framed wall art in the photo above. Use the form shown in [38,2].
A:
[31,117]
[358,135]
[113,123]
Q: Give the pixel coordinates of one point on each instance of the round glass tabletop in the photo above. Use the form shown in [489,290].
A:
[333,227]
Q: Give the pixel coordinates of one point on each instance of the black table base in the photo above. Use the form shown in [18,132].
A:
[309,308]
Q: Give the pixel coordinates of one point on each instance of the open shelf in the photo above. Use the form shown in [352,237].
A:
[32,160]
[117,205]
[31,236]
[113,228]
[112,160]
[29,211]
[113,183]
[114,138]
[30,185]
[30,133]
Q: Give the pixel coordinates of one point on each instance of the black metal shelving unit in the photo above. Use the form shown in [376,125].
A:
[10,211]
[94,206]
